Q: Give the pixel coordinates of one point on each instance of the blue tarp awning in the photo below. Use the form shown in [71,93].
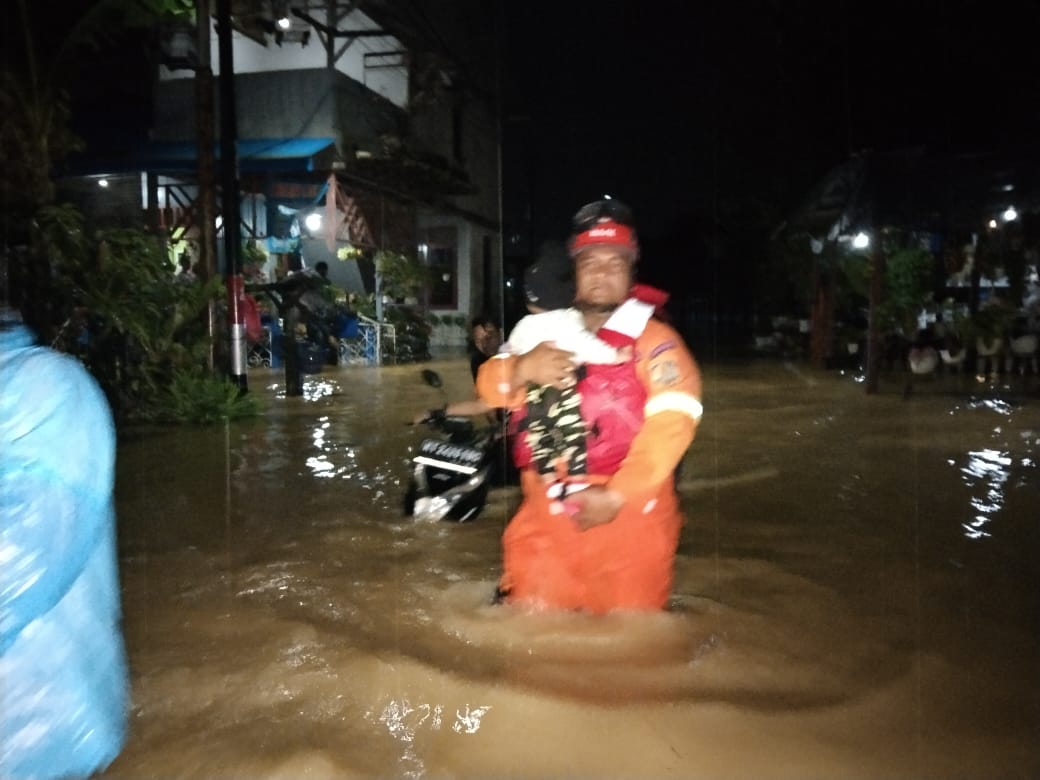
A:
[255,155]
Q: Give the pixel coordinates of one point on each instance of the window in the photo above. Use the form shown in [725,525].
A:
[438,249]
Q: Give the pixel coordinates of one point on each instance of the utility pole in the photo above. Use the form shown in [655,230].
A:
[230,200]
[207,197]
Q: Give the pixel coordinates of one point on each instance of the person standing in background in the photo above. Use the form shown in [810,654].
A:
[485,338]
[187,274]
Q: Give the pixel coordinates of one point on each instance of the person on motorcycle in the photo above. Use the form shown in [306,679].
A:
[616,548]
[485,339]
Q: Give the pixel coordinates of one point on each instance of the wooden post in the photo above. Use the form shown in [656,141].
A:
[874,344]
[204,137]
[821,336]
[290,354]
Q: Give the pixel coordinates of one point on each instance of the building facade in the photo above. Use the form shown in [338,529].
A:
[361,128]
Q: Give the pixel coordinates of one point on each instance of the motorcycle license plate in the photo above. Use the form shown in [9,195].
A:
[451,457]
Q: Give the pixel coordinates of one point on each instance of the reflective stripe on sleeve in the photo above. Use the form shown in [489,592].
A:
[674,402]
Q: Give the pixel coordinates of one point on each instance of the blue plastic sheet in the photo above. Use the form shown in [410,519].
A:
[63,672]
[345,326]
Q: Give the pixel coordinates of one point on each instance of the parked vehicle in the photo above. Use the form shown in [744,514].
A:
[453,467]
[451,470]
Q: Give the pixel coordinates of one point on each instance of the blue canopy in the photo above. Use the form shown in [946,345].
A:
[254,154]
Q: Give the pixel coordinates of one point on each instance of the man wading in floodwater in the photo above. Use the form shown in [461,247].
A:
[610,545]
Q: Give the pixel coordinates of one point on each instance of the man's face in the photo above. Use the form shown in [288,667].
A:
[492,338]
[603,276]
[486,337]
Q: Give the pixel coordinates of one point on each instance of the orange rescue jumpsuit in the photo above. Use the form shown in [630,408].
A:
[548,562]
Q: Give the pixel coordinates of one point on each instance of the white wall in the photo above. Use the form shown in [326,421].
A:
[464,233]
[250,57]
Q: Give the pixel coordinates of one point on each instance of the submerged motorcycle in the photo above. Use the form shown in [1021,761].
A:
[452,468]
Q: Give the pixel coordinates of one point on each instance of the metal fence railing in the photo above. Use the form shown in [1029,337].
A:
[373,346]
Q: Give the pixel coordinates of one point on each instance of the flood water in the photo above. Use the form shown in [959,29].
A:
[857,595]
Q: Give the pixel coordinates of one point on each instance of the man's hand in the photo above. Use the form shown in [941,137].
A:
[430,415]
[545,365]
[594,506]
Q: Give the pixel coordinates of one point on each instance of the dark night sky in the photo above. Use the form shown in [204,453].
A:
[684,110]
[694,113]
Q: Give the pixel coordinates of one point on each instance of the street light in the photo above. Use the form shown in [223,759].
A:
[312,222]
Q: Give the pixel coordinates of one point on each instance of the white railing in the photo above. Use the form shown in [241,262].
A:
[372,343]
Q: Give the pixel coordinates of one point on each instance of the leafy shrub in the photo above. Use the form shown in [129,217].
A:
[909,288]
[412,335]
[196,397]
[124,314]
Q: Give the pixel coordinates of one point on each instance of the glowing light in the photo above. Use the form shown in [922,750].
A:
[102,183]
[313,222]
[992,223]
[284,23]
[860,241]
[1010,215]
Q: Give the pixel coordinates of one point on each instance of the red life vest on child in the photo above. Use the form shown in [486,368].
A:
[612,397]
[612,402]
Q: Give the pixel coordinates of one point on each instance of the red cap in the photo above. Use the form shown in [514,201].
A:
[606,232]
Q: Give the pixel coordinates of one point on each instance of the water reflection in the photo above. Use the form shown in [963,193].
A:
[998,405]
[284,619]
[989,472]
[988,468]
[315,389]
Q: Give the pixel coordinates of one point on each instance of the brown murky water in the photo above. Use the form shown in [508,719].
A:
[856,597]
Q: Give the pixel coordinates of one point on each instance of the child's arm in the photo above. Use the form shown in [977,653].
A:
[502,380]
[531,330]
[589,348]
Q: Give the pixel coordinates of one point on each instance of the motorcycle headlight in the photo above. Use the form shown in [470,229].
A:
[434,508]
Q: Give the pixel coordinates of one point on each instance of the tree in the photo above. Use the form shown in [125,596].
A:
[46,45]
[140,332]
[106,296]
[909,289]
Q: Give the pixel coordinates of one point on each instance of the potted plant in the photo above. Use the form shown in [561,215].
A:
[954,336]
[991,323]
[850,338]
